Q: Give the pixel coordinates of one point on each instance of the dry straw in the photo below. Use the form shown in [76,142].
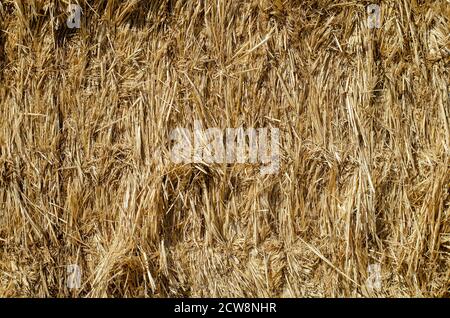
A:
[364,126]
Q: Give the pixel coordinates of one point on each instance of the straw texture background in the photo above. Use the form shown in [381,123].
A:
[85,175]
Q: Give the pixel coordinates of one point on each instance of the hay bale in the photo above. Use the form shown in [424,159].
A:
[85,170]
